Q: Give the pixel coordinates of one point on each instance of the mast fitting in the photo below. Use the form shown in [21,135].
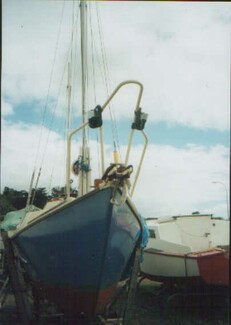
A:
[95,117]
[139,120]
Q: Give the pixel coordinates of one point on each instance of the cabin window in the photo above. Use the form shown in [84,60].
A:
[152,233]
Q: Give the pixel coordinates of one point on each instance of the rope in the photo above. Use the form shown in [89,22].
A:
[36,185]
[42,124]
[92,56]
[94,85]
[62,171]
[123,198]
[59,88]
[187,233]
[75,74]
[107,81]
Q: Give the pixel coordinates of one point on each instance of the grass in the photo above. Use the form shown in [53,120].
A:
[152,307]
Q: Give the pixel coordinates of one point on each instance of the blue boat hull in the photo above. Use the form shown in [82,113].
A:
[77,254]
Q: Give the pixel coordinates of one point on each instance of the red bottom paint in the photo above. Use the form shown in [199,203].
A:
[214,267]
[73,302]
[194,281]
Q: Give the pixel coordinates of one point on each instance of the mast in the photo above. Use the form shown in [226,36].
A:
[83,9]
[68,158]
[84,176]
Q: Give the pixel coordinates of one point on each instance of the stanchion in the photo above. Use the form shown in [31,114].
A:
[129,311]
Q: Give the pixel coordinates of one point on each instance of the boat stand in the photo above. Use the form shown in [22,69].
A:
[17,283]
[4,291]
[131,290]
[130,287]
[190,296]
[129,312]
[110,321]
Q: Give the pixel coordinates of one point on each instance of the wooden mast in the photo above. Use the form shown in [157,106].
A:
[84,172]
[84,176]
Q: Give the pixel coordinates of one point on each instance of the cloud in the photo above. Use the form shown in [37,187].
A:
[186,75]
[19,153]
[177,181]
[181,54]
[179,51]
[7,109]
[172,180]
[31,49]
[193,87]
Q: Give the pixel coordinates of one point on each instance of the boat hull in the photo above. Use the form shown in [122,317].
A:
[78,253]
[214,267]
[188,250]
[208,267]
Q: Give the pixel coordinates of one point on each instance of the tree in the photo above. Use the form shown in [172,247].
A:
[20,199]
[17,200]
[60,191]
[40,197]
[5,206]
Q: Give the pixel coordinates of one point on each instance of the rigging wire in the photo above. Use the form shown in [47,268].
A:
[94,84]
[69,82]
[105,74]
[107,82]
[92,54]
[69,55]
[42,124]
[75,57]
[58,94]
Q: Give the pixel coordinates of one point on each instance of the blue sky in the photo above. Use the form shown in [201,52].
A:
[181,54]
[159,132]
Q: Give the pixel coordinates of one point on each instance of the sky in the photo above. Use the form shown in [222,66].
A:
[179,51]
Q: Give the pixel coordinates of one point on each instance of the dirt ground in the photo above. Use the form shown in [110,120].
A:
[149,308]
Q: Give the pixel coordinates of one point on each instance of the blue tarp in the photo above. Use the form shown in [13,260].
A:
[145,236]
[13,218]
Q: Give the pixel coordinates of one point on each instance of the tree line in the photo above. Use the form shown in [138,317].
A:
[11,199]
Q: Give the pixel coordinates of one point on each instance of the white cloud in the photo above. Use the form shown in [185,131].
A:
[19,153]
[179,51]
[178,181]
[191,79]
[29,47]
[172,180]
[7,108]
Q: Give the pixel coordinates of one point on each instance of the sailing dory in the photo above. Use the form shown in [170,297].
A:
[76,250]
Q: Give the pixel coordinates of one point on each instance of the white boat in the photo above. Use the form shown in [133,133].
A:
[189,249]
